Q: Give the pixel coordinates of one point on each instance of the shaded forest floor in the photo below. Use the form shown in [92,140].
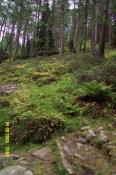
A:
[46,98]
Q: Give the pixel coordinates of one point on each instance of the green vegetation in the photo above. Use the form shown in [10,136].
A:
[55,94]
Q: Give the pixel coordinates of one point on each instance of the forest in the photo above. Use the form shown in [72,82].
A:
[57,87]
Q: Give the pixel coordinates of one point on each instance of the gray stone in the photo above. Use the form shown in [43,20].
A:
[28,173]
[14,156]
[100,129]
[44,154]
[8,88]
[79,146]
[63,138]
[15,170]
[86,149]
[7,161]
[23,162]
[66,163]
[82,140]
[21,159]
[91,133]
[85,128]
[67,150]
[102,138]
[78,156]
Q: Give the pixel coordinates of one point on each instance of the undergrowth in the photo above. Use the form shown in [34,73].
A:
[68,91]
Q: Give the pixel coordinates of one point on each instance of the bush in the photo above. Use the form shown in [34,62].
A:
[96,100]
[36,130]
[94,110]
[95,92]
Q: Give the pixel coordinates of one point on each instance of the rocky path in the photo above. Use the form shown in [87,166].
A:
[92,152]
[87,152]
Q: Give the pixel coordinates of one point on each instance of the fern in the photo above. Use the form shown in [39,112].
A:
[97,92]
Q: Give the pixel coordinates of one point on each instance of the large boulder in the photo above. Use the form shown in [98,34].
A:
[7,161]
[15,170]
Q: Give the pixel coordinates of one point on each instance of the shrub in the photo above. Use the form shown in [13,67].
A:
[96,100]
[94,110]
[95,92]
[36,130]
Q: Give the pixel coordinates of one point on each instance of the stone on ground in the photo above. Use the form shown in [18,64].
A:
[6,161]
[15,170]
[8,88]
[44,154]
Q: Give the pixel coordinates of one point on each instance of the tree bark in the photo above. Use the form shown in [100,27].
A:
[86,21]
[62,30]
[3,53]
[103,31]
[94,27]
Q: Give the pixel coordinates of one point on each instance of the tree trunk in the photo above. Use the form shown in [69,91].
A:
[62,30]
[3,53]
[17,40]
[75,36]
[103,31]
[5,18]
[94,27]
[86,19]
[24,39]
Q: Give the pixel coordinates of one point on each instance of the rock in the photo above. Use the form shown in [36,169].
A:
[15,170]
[7,161]
[86,149]
[21,159]
[85,128]
[102,138]
[4,162]
[7,89]
[99,129]
[63,138]
[78,156]
[44,154]
[23,162]
[28,173]
[66,162]
[67,150]
[82,140]
[14,156]
[90,135]
[79,146]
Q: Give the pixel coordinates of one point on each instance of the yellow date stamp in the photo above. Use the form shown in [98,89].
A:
[7,139]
